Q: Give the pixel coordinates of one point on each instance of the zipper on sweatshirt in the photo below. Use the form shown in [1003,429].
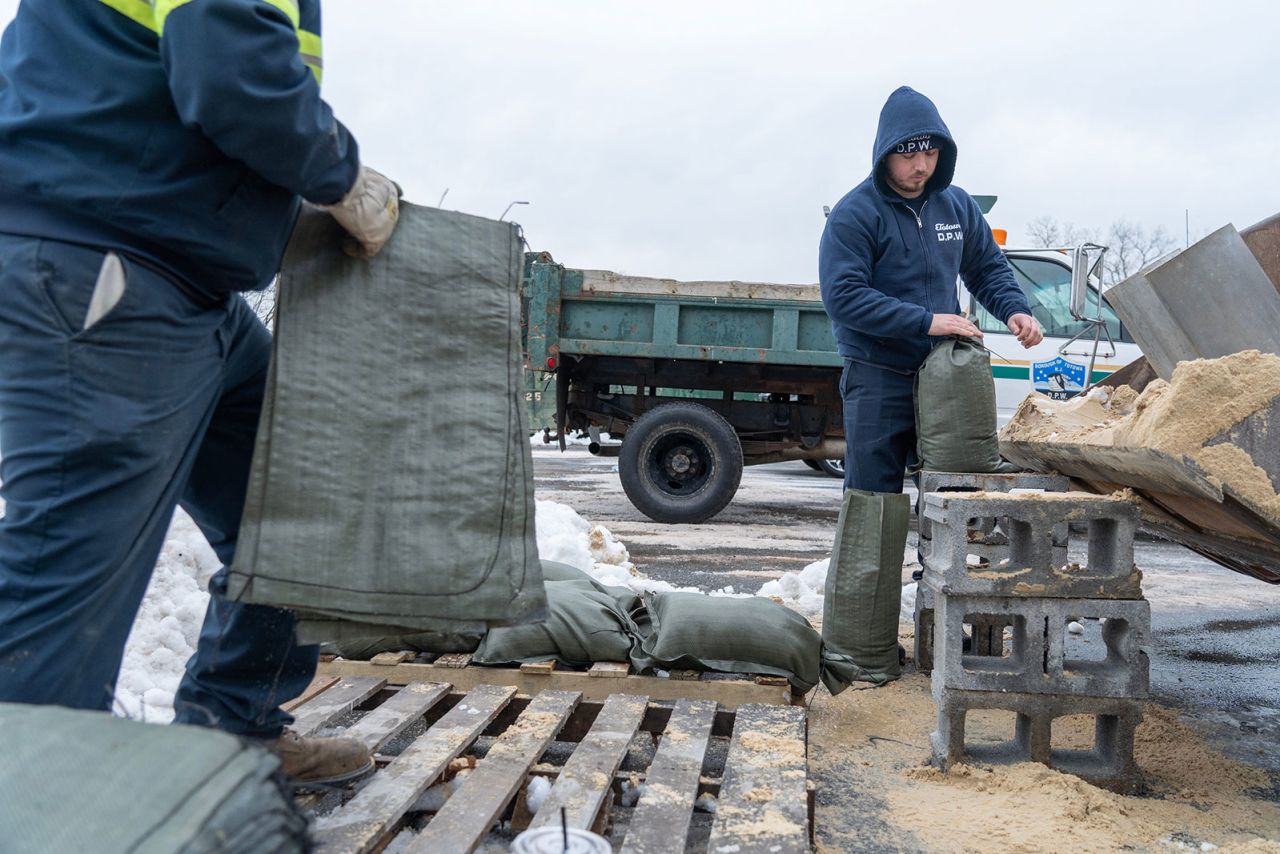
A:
[928,299]
[924,248]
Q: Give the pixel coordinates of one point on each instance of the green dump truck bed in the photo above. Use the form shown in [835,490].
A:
[600,313]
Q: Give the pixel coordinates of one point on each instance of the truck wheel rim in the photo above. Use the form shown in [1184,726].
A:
[679,464]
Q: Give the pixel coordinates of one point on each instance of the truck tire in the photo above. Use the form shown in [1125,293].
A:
[834,468]
[813,464]
[680,462]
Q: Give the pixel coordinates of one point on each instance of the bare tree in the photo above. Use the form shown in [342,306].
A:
[1045,232]
[1130,247]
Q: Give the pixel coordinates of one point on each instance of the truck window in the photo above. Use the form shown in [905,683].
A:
[1048,289]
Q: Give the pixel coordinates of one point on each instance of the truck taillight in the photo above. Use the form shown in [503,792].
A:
[551,362]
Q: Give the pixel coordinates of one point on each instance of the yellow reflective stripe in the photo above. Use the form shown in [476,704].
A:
[138,11]
[152,14]
[312,53]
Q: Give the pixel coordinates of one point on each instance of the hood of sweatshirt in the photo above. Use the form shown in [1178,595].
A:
[905,115]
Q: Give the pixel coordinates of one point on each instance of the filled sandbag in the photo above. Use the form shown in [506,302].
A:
[531,642]
[586,622]
[864,590]
[75,780]
[356,517]
[693,631]
[955,404]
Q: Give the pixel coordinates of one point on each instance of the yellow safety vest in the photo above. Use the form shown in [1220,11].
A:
[151,14]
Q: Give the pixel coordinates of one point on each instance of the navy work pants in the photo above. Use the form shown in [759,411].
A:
[103,430]
[879,426]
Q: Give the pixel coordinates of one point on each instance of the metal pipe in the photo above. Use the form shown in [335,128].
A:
[600,450]
[827,449]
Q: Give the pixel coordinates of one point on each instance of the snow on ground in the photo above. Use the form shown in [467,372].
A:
[165,632]
[564,536]
[803,591]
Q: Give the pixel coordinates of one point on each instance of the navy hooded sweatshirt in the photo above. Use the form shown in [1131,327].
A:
[181,132]
[885,272]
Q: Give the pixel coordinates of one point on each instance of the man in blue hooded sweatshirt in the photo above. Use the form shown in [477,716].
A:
[153,157]
[887,263]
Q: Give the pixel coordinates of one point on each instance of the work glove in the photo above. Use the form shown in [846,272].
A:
[368,212]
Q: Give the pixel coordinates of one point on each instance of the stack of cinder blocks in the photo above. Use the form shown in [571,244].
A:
[987,543]
[1026,586]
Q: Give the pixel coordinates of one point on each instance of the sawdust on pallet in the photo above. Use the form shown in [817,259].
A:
[771,822]
[778,748]
[878,741]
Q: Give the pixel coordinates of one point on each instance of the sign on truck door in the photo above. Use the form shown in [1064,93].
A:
[1056,366]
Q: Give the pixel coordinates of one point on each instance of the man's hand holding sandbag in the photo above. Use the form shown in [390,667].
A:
[368,212]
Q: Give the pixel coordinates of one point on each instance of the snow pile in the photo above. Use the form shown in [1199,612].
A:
[165,632]
[564,536]
[803,591]
[800,590]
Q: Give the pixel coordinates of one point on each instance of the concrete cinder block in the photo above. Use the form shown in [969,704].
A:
[986,633]
[940,481]
[1041,659]
[923,652]
[1109,763]
[1037,527]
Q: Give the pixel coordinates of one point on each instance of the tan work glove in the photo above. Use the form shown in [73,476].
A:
[368,212]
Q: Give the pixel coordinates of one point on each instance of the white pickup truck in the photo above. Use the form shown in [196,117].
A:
[1058,365]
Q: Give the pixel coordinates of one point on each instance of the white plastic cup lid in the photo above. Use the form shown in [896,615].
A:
[550,840]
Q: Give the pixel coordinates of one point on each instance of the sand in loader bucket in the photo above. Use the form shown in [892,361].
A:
[1217,412]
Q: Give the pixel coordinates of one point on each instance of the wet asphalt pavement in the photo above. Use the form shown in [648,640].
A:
[1216,634]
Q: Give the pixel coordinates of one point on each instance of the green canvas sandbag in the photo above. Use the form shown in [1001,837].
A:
[586,622]
[554,570]
[521,638]
[864,590]
[74,780]
[358,516]
[693,631]
[955,403]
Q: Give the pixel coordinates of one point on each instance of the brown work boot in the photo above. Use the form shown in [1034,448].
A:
[320,761]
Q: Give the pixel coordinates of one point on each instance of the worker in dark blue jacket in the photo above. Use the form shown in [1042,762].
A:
[888,265]
[153,155]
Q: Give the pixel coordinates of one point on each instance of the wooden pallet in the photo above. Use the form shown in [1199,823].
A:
[604,678]
[752,759]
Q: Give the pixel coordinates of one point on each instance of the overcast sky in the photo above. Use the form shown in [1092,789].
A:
[701,139]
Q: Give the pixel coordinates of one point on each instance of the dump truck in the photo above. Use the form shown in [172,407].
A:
[702,378]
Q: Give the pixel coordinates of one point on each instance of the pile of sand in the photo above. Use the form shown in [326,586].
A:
[877,742]
[1187,417]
